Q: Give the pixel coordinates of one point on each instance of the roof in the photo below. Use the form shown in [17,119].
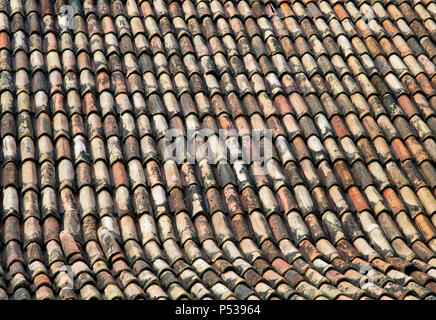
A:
[96,97]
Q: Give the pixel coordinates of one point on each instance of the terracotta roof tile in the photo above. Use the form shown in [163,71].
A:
[88,179]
